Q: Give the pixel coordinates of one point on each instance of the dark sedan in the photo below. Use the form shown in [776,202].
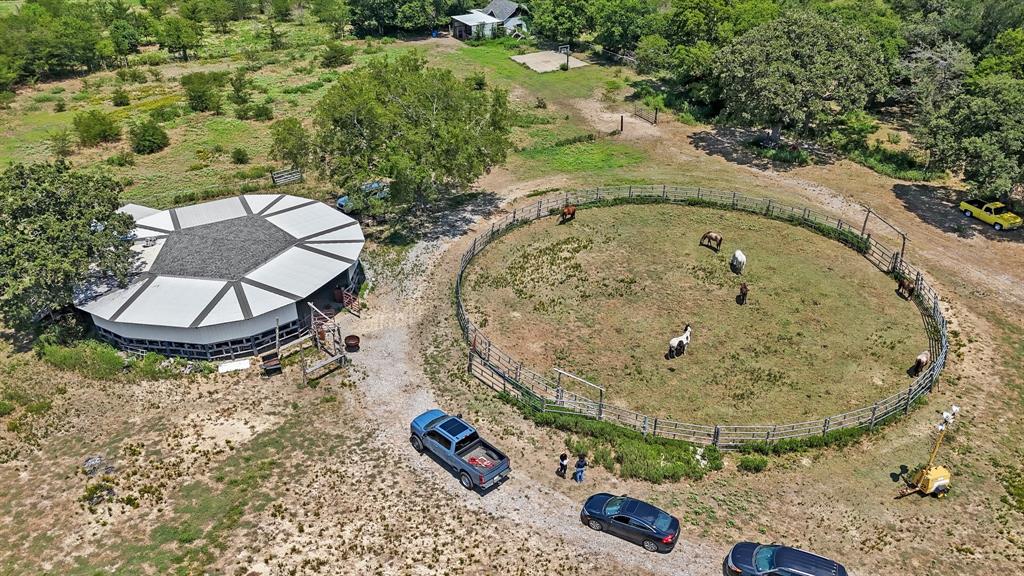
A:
[751,559]
[632,520]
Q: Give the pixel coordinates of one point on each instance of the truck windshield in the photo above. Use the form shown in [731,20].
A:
[465,442]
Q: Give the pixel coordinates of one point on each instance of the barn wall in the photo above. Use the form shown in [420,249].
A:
[204,335]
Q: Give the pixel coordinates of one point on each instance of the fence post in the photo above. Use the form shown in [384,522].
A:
[824,428]
[733,199]
[655,432]
[539,202]
[714,440]
[664,191]
[643,427]
[514,210]
[630,190]
[473,250]
[906,406]
[864,228]
[874,411]
[655,115]
[600,405]
[768,209]
[519,371]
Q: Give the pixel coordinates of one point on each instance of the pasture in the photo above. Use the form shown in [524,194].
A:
[822,332]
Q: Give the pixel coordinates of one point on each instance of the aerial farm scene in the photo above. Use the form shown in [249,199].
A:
[551,287]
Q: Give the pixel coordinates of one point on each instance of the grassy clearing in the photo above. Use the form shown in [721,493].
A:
[101,361]
[823,331]
[590,157]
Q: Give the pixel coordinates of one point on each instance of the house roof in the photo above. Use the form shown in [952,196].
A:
[475,18]
[230,260]
[501,9]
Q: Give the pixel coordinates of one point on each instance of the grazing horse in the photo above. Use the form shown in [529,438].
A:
[921,362]
[677,346]
[710,238]
[742,298]
[906,288]
[738,262]
[568,213]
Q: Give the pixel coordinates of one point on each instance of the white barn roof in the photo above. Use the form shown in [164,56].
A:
[230,260]
[475,18]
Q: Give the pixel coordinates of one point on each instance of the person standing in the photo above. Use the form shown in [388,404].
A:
[581,465]
[563,464]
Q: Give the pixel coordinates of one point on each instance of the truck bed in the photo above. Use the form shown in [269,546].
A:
[482,456]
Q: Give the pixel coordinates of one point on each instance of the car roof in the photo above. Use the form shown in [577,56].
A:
[804,562]
[641,510]
[454,427]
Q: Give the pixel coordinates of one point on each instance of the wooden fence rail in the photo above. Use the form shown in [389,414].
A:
[504,373]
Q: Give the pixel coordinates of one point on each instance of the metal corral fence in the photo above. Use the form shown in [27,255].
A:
[504,373]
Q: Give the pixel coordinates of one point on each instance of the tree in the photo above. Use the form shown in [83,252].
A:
[422,129]
[799,71]
[282,9]
[60,227]
[202,90]
[156,8]
[148,137]
[239,82]
[334,13]
[980,134]
[651,53]
[290,142]
[191,10]
[275,38]
[618,24]
[337,54]
[120,97]
[1005,55]
[94,127]
[241,9]
[60,143]
[218,13]
[935,74]
[125,39]
[561,20]
[178,35]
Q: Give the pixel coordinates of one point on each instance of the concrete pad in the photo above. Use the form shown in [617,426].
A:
[547,61]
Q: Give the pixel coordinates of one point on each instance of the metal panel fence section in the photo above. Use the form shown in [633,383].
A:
[504,373]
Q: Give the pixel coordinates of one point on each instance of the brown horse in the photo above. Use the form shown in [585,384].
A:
[742,298]
[906,288]
[710,238]
[568,213]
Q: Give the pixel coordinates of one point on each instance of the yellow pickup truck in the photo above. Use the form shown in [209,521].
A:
[994,213]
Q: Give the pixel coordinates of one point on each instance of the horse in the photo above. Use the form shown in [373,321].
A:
[742,298]
[920,363]
[568,213]
[738,262]
[710,238]
[906,288]
[677,345]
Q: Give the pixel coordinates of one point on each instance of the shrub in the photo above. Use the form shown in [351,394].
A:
[337,54]
[165,112]
[148,137]
[252,172]
[540,103]
[94,127]
[752,463]
[6,408]
[151,58]
[202,90]
[131,75]
[254,111]
[60,143]
[563,66]
[121,159]
[477,81]
[239,156]
[120,97]
[90,358]
[60,106]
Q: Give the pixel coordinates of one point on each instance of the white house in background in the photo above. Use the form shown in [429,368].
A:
[484,22]
[476,24]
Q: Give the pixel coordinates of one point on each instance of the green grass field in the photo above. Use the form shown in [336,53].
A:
[823,331]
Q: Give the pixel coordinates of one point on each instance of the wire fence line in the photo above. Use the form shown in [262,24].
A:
[504,373]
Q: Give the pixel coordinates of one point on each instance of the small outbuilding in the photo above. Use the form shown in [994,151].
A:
[475,24]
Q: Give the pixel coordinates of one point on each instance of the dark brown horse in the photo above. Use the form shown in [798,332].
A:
[710,238]
[742,298]
[906,288]
[568,213]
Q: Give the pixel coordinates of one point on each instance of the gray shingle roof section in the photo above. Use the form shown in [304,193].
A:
[501,9]
[225,250]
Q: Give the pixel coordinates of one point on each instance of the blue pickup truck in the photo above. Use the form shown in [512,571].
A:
[457,444]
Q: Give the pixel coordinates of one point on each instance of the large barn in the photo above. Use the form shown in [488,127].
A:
[227,278]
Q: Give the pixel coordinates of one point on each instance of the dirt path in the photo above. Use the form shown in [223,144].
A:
[396,391]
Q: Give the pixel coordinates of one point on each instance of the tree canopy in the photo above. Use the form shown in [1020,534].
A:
[58,227]
[422,129]
[798,71]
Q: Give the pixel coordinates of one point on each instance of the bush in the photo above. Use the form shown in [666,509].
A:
[239,156]
[92,359]
[337,54]
[94,127]
[782,154]
[60,106]
[253,111]
[148,137]
[121,159]
[477,81]
[6,408]
[151,58]
[563,66]
[120,98]
[540,103]
[131,75]
[165,112]
[202,90]
[752,463]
